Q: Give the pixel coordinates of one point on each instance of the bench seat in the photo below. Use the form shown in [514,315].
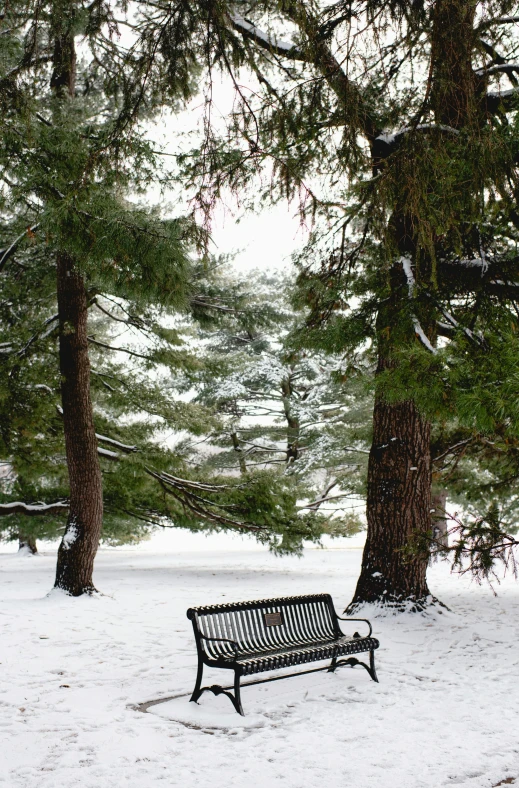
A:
[299,655]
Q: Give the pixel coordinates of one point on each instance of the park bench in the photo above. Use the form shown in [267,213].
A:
[269,634]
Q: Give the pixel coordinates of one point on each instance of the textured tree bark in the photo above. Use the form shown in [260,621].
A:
[27,544]
[395,558]
[80,541]
[453,94]
[396,555]
[79,544]
[293,426]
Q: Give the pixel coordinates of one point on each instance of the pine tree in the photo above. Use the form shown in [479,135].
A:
[70,151]
[391,123]
[283,408]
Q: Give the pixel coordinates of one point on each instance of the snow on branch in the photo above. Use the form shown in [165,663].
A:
[422,335]
[33,509]
[117,444]
[502,100]
[110,455]
[504,68]
[270,43]
[503,20]
[406,265]
[457,326]
[391,138]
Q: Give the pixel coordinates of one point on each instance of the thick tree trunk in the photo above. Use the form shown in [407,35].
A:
[394,563]
[27,544]
[79,544]
[453,95]
[396,554]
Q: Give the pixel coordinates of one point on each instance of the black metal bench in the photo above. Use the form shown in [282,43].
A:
[254,637]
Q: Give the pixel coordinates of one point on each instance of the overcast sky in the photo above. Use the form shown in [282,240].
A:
[266,239]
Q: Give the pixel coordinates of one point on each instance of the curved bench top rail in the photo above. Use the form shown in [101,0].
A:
[303,620]
[257,603]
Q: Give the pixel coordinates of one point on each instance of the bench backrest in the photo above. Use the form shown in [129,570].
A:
[265,625]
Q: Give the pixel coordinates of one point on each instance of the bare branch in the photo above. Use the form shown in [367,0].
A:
[118,349]
[5,254]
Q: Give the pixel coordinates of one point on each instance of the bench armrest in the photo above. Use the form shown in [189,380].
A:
[233,643]
[358,619]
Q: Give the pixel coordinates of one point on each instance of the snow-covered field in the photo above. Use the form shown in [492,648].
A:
[445,712]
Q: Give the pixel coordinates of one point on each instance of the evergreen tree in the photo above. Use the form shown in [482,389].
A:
[70,152]
[394,124]
[283,408]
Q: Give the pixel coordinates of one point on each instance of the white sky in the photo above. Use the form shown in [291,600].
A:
[265,239]
[262,240]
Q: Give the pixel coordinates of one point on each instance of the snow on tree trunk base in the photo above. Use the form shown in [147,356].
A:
[79,544]
[27,545]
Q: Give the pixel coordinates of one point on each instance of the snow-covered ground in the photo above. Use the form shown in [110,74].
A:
[445,712]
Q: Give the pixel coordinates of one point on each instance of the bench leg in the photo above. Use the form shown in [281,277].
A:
[237,694]
[197,691]
[372,672]
[217,690]
[352,661]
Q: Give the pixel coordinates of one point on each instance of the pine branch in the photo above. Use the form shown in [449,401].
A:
[118,349]
[321,57]
[183,493]
[263,40]
[5,254]
[33,509]
[452,449]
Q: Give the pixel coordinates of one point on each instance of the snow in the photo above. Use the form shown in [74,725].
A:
[261,37]
[111,442]
[503,93]
[422,335]
[28,508]
[70,536]
[111,455]
[75,670]
[390,137]
[407,266]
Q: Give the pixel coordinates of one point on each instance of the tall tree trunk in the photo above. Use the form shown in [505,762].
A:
[238,449]
[27,544]
[396,555]
[395,558]
[293,426]
[79,544]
